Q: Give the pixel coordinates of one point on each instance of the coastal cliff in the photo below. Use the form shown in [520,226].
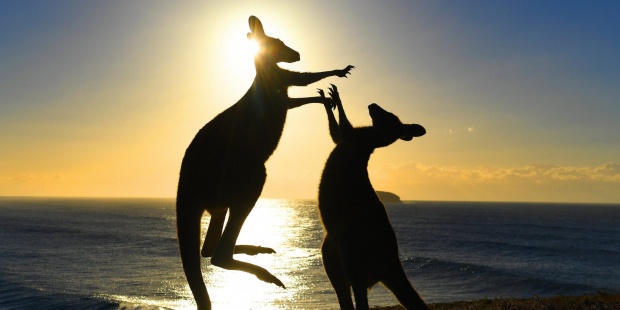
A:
[388,197]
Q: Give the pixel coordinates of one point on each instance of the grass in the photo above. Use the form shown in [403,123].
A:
[601,301]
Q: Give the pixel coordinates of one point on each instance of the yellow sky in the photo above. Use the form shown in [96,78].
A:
[102,99]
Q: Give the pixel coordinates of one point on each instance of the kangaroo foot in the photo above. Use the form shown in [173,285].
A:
[266,276]
[241,249]
[253,250]
[233,264]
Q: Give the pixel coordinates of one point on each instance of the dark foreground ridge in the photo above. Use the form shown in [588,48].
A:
[587,302]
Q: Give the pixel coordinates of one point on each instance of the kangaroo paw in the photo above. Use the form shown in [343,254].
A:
[346,71]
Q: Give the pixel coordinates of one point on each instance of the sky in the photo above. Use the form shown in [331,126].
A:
[520,99]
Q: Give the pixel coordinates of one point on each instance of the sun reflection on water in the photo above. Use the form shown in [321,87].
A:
[276,224]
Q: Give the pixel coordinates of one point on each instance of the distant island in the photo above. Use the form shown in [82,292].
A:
[388,197]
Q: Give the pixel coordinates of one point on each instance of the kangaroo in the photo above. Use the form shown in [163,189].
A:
[223,170]
[360,248]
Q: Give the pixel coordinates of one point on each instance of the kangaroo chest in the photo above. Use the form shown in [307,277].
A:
[345,191]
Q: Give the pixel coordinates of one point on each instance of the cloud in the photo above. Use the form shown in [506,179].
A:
[609,172]
[468,130]
[533,182]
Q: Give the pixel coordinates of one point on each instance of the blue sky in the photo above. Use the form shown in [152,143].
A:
[520,98]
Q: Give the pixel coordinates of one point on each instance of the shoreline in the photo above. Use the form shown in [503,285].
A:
[594,301]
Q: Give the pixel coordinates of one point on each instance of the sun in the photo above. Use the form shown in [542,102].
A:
[252,47]
[238,56]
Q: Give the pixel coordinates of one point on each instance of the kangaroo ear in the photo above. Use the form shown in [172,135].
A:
[412,130]
[256,26]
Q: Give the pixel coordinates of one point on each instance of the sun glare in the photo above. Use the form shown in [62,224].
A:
[252,47]
[238,56]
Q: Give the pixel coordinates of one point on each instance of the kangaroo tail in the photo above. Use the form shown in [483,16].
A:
[400,286]
[188,230]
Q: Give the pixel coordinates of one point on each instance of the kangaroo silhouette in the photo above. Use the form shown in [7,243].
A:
[360,248]
[224,166]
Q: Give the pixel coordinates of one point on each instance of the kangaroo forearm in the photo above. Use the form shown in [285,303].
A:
[344,121]
[297,102]
[334,130]
[307,78]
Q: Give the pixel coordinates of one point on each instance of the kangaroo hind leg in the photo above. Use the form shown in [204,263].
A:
[336,275]
[216,224]
[360,291]
[214,232]
[223,254]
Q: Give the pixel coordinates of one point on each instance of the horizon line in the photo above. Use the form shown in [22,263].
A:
[313,199]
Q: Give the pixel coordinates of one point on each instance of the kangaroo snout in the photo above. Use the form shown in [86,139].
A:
[293,57]
[412,130]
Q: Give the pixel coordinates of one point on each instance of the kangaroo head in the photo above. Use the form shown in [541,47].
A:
[388,128]
[270,49]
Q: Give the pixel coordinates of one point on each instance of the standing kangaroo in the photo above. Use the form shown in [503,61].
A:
[360,247]
[224,166]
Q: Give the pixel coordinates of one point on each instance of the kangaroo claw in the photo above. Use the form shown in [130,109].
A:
[333,92]
[344,72]
[269,278]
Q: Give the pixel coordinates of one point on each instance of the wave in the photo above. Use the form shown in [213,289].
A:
[538,248]
[19,297]
[465,279]
[16,297]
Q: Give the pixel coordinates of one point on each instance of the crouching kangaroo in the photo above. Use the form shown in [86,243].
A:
[360,249]
[224,166]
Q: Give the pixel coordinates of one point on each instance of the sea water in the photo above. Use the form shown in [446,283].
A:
[58,253]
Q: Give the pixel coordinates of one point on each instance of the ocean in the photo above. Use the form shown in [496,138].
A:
[60,253]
